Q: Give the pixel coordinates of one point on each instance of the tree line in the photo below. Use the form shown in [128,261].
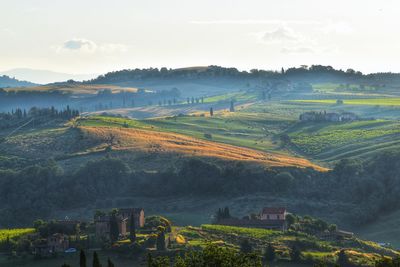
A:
[370,188]
[319,72]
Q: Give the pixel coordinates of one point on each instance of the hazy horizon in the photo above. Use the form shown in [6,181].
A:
[100,36]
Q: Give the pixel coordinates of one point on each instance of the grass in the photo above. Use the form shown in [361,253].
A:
[336,87]
[105,121]
[249,232]
[139,140]
[394,101]
[237,96]
[14,233]
[325,140]
[312,248]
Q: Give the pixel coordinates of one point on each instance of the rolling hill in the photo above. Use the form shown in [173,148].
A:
[163,142]
[87,141]
[6,81]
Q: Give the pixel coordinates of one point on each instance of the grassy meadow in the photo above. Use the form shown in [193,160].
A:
[394,101]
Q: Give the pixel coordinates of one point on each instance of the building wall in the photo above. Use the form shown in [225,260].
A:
[102,229]
[122,227]
[271,216]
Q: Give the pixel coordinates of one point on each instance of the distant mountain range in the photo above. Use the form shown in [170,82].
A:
[45,76]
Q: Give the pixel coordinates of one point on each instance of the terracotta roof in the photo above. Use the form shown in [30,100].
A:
[273,210]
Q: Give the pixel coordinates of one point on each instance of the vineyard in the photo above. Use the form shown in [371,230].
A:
[324,139]
[13,234]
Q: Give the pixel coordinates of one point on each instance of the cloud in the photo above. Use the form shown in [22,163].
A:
[254,22]
[297,50]
[113,48]
[281,34]
[337,27]
[6,31]
[81,45]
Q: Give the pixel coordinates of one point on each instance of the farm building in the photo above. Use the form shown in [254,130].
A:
[103,225]
[138,214]
[273,218]
[56,243]
[123,216]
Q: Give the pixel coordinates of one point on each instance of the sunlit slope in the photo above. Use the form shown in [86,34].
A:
[333,141]
[89,89]
[164,142]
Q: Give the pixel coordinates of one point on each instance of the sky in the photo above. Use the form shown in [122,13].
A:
[97,36]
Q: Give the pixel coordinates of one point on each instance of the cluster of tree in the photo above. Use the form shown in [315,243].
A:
[194,100]
[95,262]
[105,99]
[300,74]
[48,228]
[25,99]
[210,256]
[308,224]
[36,190]
[222,214]
[6,81]
[40,115]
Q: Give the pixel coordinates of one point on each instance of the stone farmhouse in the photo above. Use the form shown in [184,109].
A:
[102,223]
[56,243]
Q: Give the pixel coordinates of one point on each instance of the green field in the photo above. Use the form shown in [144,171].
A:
[365,101]
[259,126]
[336,87]
[245,232]
[237,96]
[330,141]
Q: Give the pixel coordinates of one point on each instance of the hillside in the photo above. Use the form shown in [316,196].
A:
[162,142]
[89,140]
[74,88]
[6,81]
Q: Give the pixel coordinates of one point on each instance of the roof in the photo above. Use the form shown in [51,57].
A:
[273,210]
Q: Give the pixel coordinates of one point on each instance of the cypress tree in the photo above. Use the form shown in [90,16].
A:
[132,230]
[295,254]
[232,107]
[114,231]
[82,259]
[149,260]
[161,241]
[269,253]
[245,246]
[110,263]
[211,112]
[96,262]
[227,214]
[342,260]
